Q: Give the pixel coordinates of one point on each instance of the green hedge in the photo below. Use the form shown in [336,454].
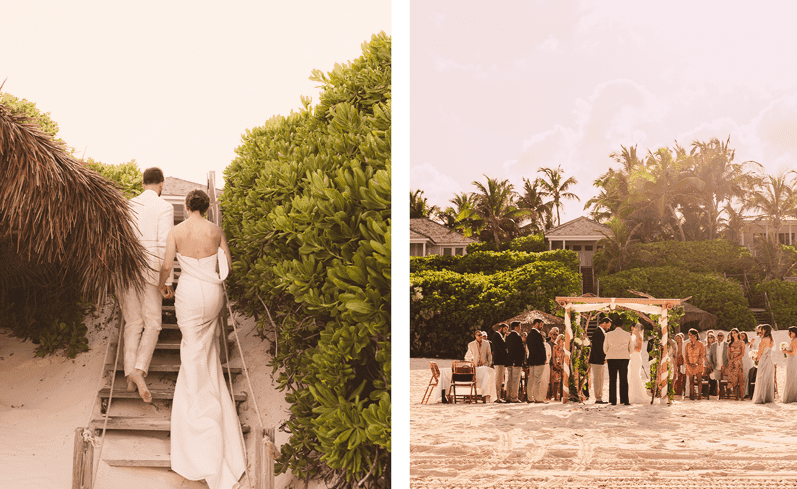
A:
[306,209]
[489,262]
[446,307]
[719,256]
[710,292]
[533,243]
[783,298]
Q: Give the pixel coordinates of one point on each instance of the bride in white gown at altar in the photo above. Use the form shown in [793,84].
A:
[206,442]
[636,385]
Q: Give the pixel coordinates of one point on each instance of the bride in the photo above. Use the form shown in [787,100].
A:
[205,434]
[765,376]
[636,386]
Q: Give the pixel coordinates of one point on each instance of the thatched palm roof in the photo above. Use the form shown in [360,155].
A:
[59,220]
[525,319]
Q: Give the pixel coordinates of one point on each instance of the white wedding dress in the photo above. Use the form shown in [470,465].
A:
[206,442]
[636,385]
[765,379]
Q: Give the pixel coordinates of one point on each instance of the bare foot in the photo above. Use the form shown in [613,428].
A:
[138,378]
[131,386]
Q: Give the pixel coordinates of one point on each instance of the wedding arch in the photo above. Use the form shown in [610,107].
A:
[645,307]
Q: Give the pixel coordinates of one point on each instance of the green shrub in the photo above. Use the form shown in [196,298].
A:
[534,243]
[446,307]
[489,262]
[306,209]
[710,292]
[783,299]
[127,176]
[721,256]
[480,246]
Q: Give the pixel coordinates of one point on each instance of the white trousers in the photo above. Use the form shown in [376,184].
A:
[142,313]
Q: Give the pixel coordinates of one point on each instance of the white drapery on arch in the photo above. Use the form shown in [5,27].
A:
[646,306]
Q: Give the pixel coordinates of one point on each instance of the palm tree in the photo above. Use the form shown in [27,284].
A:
[556,189]
[460,216]
[723,179]
[419,206]
[670,185]
[538,213]
[617,242]
[777,199]
[496,209]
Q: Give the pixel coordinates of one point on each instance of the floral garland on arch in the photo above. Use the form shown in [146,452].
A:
[650,307]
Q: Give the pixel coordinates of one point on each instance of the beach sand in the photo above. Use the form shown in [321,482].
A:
[708,443]
[43,401]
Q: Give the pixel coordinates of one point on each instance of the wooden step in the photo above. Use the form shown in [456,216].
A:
[120,392]
[153,462]
[140,423]
[168,344]
[170,368]
[167,308]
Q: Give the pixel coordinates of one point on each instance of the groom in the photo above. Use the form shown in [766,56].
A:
[617,345]
[152,218]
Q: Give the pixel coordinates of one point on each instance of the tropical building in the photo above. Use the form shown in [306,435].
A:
[430,238]
[580,235]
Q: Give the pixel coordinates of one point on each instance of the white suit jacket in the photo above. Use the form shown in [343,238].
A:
[618,344]
[485,357]
[153,218]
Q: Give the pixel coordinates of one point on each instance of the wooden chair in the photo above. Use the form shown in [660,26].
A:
[432,383]
[463,374]
[722,387]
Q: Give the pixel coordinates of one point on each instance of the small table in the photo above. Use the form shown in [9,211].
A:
[485,383]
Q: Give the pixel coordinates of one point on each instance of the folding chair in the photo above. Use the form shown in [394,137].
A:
[432,383]
[463,374]
[722,387]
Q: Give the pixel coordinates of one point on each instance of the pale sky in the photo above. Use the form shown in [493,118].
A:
[175,84]
[506,88]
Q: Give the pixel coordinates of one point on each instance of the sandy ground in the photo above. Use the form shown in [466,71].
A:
[43,400]
[698,444]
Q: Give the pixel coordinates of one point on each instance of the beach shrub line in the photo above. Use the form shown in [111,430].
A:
[490,262]
[306,210]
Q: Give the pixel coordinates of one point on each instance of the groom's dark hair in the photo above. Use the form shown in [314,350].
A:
[153,175]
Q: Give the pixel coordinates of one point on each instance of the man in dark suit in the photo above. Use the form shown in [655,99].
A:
[597,358]
[500,356]
[516,356]
[536,345]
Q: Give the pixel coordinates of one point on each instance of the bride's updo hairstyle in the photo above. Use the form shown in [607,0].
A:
[197,200]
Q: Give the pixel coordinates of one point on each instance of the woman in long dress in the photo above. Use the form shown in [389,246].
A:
[206,441]
[545,382]
[557,368]
[735,369]
[636,386]
[765,377]
[790,391]
[678,362]
[747,364]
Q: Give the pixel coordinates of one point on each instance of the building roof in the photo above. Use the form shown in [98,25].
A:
[525,320]
[580,227]
[180,187]
[438,234]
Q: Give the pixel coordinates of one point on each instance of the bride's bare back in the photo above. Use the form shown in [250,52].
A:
[197,238]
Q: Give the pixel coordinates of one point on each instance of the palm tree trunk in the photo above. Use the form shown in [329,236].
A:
[680,226]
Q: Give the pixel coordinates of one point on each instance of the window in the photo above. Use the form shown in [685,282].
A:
[416,249]
[587,247]
[576,247]
[447,252]
[459,251]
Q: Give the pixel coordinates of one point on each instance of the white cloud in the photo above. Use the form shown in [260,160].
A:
[437,187]
[438,18]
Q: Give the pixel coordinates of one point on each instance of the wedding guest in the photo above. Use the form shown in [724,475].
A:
[545,383]
[790,350]
[557,368]
[500,357]
[764,391]
[711,362]
[536,361]
[747,364]
[524,379]
[735,369]
[517,355]
[721,358]
[678,362]
[479,351]
[694,359]
[552,335]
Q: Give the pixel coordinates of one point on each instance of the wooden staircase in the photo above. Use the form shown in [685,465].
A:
[587,281]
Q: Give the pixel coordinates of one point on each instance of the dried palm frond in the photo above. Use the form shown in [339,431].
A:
[60,223]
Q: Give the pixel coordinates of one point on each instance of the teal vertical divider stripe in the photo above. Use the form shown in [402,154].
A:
[400,267]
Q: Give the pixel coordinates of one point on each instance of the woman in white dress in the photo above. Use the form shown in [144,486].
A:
[546,374]
[206,442]
[636,386]
[765,377]
[790,391]
[747,364]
